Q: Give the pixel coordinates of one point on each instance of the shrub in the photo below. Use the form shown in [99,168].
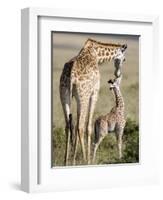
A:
[131,142]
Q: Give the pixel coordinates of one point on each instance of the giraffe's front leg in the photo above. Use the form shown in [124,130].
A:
[120,146]
[92,103]
[81,137]
[119,134]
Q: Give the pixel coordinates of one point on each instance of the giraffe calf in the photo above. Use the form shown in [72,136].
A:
[112,121]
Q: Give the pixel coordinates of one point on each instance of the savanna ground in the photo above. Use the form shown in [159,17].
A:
[68,45]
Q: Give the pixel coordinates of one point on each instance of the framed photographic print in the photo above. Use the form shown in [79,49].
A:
[88,83]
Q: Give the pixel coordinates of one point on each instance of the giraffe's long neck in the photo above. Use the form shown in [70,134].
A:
[102,51]
[119,99]
[106,52]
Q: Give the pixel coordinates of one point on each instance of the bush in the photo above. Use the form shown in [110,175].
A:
[131,142]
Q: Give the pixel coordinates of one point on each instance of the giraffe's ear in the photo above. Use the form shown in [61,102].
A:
[110,81]
[124,47]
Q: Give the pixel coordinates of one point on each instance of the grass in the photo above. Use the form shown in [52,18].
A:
[107,152]
[67,46]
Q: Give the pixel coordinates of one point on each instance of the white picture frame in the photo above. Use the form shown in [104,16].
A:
[36,171]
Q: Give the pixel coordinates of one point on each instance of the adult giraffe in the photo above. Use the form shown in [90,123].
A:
[81,78]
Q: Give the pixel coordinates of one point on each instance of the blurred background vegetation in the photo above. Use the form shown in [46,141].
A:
[68,45]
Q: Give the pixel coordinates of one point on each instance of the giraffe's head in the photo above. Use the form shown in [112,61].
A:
[119,59]
[115,83]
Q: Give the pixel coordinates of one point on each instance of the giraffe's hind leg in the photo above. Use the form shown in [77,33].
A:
[81,133]
[76,136]
[96,145]
[100,133]
[82,108]
[76,146]
[67,131]
[65,100]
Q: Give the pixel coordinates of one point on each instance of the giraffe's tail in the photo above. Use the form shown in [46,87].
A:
[71,130]
[71,125]
[96,138]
